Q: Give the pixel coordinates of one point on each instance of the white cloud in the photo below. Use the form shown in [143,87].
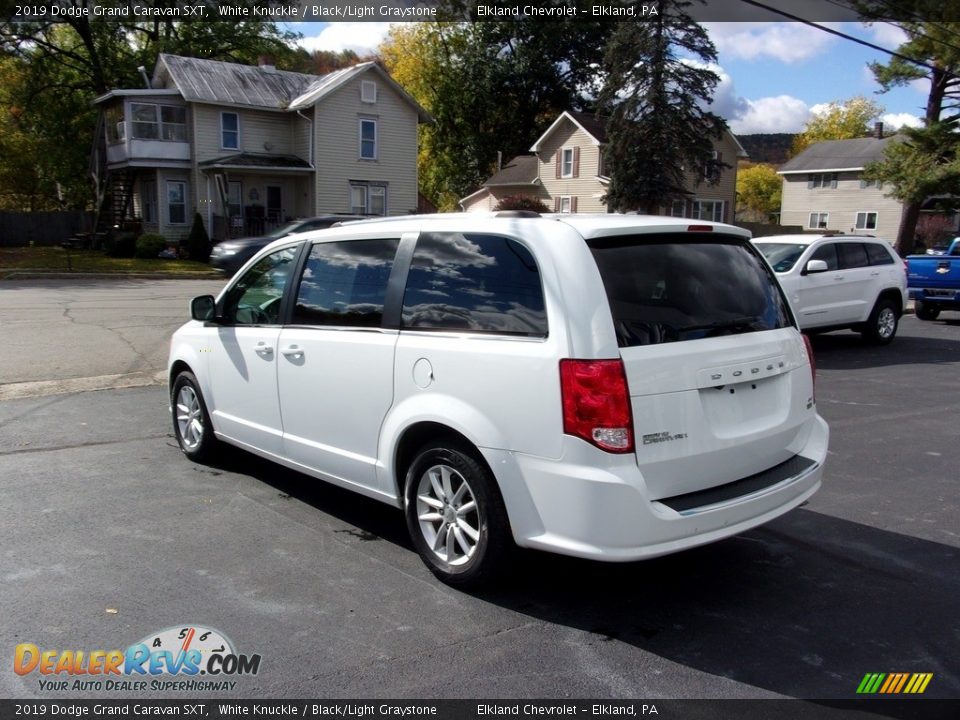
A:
[786,42]
[895,121]
[361,37]
[887,35]
[779,114]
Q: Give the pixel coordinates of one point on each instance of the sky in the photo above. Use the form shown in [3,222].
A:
[773,76]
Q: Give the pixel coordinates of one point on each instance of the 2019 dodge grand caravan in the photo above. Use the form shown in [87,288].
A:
[608,387]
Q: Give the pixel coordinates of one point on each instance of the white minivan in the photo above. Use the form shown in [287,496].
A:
[609,387]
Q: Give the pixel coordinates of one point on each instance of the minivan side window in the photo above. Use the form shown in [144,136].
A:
[255,298]
[852,255]
[345,283]
[475,283]
[879,255]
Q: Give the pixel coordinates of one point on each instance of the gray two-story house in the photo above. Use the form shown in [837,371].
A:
[249,147]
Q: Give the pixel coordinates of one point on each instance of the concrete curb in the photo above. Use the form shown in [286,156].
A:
[43,388]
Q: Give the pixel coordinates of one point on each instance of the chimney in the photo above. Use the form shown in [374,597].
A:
[878,130]
[266,64]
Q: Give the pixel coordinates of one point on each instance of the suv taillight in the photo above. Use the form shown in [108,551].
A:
[813,364]
[596,403]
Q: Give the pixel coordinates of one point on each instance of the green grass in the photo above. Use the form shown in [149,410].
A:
[56,259]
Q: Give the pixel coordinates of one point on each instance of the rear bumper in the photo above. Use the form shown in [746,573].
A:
[604,513]
[946,297]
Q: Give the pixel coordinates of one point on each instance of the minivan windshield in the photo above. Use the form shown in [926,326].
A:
[781,256]
[675,287]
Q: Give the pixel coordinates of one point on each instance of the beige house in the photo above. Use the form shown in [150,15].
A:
[824,189]
[566,173]
[250,147]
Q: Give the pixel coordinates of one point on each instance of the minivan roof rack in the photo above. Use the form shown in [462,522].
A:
[516,214]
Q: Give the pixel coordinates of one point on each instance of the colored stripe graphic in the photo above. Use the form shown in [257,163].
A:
[894,683]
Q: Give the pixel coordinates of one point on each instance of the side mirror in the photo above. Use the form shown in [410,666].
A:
[816,266]
[203,308]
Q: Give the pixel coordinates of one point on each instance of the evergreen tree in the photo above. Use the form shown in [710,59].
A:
[657,88]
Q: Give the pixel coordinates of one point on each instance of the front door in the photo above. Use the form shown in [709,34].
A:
[274,204]
[335,363]
[243,357]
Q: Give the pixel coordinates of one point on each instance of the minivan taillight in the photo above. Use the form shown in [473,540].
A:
[596,403]
[813,364]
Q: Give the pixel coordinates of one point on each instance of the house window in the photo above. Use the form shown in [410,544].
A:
[229,131]
[567,163]
[176,202]
[149,193]
[566,204]
[822,180]
[711,168]
[368,199]
[818,220]
[173,123]
[368,139]
[368,91]
[678,208]
[866,221]
[145,126]
[708,210]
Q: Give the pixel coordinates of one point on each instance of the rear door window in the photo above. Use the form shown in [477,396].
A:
[476,283]
[670,288]
[345,283]
[852,255]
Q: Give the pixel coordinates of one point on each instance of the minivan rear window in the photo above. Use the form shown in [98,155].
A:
[674,287]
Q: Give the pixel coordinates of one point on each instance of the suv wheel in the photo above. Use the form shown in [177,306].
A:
[191,422]
[882,325]
[456,516]
[925,312]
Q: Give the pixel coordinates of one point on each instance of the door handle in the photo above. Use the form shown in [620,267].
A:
[292,351]
[875,274]
[263,349]
[838,278]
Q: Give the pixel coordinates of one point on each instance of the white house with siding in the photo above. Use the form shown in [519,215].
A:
[250,147]
[565,171]
[824,188]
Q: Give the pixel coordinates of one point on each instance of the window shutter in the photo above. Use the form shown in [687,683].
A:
[559,162]
[556,204]
[573,202]
[576,162]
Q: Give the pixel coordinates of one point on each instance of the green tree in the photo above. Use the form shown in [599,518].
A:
[491,87]
[841,120]
[759,191]
[926,162]
[657,87]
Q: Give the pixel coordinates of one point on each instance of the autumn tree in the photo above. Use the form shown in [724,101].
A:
[840,120]
[658,85]
[927,161]
[491,87]
[759,191]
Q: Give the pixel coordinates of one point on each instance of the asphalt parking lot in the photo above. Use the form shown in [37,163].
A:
[110,535]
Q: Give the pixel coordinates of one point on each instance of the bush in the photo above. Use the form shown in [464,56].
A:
[198,242]
[522,202]
[149,245]
[120,244]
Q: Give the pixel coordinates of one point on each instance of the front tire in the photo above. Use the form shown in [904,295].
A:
[456,516]
[191,422]
[882,325]
[925,311]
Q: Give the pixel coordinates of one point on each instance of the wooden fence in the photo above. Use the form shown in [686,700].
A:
[18,229]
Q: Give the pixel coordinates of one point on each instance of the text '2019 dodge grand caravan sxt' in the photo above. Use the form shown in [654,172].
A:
[608,387]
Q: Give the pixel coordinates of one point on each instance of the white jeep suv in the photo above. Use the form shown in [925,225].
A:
[836,282]
[608,387]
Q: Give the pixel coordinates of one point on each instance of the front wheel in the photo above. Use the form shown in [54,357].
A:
[191,422]
[882,325]
[456,516]
[925,311]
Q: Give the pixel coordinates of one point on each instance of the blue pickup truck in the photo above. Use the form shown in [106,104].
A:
[933,281]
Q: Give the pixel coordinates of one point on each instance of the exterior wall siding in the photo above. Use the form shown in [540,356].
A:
[337,148]
[258,131]
[841,203]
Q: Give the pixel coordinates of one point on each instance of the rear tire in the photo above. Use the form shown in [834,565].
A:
[456,516]
[925,311]
[191,422]
[882,325]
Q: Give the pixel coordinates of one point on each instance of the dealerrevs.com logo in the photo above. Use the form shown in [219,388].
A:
[184,658]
